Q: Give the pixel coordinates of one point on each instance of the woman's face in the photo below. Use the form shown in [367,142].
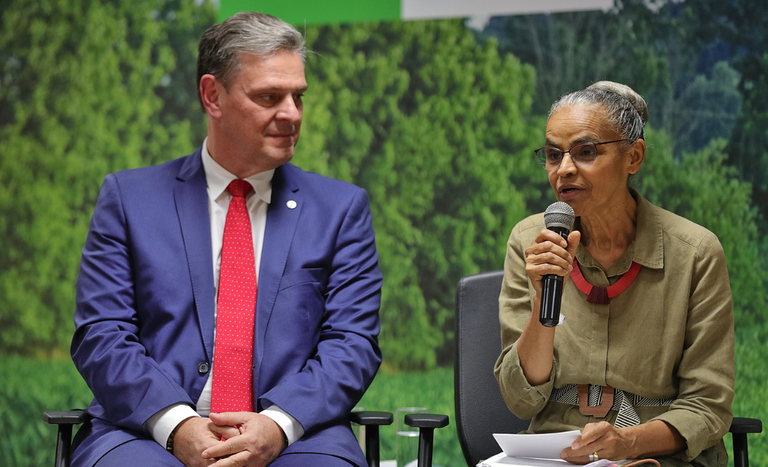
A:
[601,188]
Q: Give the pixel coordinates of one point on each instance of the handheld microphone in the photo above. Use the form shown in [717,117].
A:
[559,218]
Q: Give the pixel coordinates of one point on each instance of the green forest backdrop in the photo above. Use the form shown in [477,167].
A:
[437,121]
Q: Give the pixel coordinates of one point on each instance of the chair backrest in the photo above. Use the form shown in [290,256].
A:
[480,410]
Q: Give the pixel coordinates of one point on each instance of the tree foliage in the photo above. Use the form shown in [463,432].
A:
[701,66]
[573,50]
[437,124]
[437,128]
[740,27]
[701,187]
[79,99]
[652,47]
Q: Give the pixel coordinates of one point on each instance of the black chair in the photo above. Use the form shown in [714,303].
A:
[65,420]
[480,410]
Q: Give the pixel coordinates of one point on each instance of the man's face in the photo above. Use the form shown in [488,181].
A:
[261,111]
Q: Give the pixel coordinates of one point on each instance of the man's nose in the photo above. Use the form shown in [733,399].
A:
[289,109]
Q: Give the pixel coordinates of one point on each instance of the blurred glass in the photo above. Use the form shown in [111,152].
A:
[407,440]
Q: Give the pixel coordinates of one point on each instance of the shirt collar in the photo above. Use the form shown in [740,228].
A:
[649,240]
[218,178]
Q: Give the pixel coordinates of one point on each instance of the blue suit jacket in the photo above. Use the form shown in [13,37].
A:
[145,304]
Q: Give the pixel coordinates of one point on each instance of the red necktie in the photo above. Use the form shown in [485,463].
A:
[232,389]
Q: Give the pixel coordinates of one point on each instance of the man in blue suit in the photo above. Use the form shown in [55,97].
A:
[146,318]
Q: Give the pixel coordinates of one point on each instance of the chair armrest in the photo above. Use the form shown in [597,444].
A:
[746,425]
[426,423]
[371,421]
[739,429]
[371,418]
[65,417]
[426,420]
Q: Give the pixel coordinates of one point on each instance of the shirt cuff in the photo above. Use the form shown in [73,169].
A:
[521,398]
[291,427]
[161,424]
[691,428]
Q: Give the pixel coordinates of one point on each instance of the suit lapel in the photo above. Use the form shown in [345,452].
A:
[282,218]
[191,197]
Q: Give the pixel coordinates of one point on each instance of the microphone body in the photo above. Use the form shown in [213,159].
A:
[559,218]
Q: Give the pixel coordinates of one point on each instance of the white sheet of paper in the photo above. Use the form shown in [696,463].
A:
[545,445]
[501,460]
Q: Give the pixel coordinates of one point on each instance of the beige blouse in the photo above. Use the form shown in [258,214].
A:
[669,335]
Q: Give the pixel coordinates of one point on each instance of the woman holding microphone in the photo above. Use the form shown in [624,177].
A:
[642,361]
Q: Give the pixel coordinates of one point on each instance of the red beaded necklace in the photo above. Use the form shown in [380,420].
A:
[603,295]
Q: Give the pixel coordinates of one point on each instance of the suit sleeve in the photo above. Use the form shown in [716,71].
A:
[347,355]
[129,385]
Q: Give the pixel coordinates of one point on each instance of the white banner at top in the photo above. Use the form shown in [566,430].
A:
[434,9]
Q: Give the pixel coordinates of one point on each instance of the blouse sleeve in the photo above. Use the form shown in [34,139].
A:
[515,307]
[702,411]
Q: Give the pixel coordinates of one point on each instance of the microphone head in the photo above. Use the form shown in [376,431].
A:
[559,214]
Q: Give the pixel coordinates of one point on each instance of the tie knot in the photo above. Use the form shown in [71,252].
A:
[239,188]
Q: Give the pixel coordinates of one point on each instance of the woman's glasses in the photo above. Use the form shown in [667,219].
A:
[583,155]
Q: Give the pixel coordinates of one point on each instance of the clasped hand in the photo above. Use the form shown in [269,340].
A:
[233,439]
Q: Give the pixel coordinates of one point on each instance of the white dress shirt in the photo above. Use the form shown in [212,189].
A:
[161,424]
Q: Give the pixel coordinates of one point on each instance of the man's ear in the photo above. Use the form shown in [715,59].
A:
[637,156]
[210,94]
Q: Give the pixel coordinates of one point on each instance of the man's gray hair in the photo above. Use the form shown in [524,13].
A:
[625,109]
[250,32]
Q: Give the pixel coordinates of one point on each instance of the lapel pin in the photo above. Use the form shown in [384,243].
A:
[291,204]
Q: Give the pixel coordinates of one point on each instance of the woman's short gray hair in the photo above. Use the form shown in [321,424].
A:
[250,32]
[625,109]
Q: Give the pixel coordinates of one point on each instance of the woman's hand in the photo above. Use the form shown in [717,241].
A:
[550,254]
[602,438]
[654,438]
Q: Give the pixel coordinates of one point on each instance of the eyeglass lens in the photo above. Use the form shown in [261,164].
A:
[582,155]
